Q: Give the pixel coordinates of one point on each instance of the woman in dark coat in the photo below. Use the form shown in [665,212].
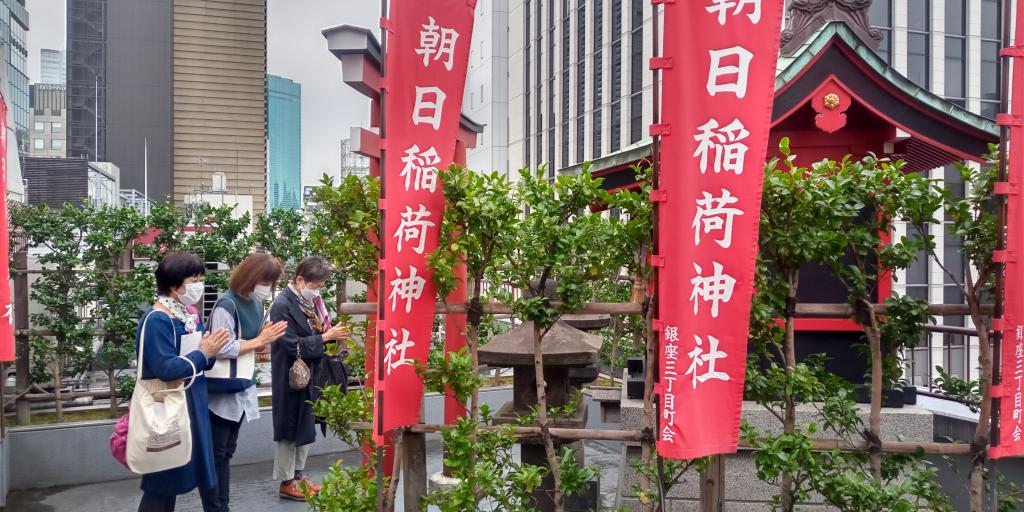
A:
[179,286]
[309,326]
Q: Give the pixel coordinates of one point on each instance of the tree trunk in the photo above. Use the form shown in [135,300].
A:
[983,430]
[542,419]
[647,447]
[874,433]
[473,343]
[787,490]
[112,379]
[58,404]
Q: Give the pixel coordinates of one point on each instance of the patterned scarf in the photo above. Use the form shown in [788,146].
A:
[179,311]
[317,321]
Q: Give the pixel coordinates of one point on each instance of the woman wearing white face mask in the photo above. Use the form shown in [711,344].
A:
[309,326]
[230,383]
[163,330]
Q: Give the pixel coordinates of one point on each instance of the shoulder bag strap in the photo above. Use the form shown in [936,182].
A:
[139,362]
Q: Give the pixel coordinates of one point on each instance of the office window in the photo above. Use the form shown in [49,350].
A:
[57,127]
[991,69]
[918,44]
[566,64]
[551,88]
[956,52]
[598,80]
[527,127]
[38,143]
[616,78]
[56,144]
[539,91]
[881,18]
[581,77]
[636,81]
[39,127]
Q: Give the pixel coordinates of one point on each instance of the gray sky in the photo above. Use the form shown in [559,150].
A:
[296,50]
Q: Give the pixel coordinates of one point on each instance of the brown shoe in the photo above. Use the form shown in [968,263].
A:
[291,491]
[314,488]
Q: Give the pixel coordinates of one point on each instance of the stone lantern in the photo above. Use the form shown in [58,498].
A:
[565,349]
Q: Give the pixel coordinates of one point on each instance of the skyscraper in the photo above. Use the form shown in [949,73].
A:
[13,31]
[49,121]
[185,77]
[220,98]
[53,67]
[284,134]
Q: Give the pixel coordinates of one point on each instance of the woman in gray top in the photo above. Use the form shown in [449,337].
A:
[232,393]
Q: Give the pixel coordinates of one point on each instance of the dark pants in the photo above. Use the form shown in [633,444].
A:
[225,440]
[156,503]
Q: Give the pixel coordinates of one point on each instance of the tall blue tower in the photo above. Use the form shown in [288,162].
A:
[284,134]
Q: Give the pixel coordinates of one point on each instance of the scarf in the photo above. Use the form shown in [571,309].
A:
[179,311]
[314,310]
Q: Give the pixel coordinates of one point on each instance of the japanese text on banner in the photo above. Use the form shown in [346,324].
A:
[719,111]
[426,73]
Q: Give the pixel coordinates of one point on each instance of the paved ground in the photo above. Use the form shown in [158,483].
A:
[252,490]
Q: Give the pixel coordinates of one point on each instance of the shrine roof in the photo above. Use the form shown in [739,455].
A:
[790,67]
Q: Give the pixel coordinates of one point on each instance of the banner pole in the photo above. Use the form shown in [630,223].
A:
[379,410]
[651,309]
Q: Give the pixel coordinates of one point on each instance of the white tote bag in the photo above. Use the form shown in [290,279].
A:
[159,432]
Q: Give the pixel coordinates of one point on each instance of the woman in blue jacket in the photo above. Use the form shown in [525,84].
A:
[179,282]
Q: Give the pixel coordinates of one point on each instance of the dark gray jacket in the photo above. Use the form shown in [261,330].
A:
[293,415]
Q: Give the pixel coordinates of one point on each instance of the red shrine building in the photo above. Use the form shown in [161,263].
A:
[836,96]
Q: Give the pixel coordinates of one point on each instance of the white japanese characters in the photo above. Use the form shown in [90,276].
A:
[729,63]
[698,357]
[420,170]
[716,288]
[429,106]
[396,348]
[669,376]
[406,288]
[726,8]
[1015,385]
[723,146]
[413,228]
[438,42]
[715,214]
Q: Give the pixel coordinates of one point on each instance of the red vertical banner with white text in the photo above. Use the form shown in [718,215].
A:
[718,76]
[1011,389]
[427,55]
[7,322]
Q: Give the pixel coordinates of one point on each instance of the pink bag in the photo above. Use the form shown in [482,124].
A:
[119,441]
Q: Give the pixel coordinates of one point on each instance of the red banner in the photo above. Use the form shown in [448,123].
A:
[427,56]
[1011,410]
[719,76]
[7,323]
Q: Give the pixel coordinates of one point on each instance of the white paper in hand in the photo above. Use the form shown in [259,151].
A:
[190,342]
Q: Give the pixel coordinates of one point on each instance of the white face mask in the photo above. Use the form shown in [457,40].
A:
[261,292]
[193,294]
[310,294]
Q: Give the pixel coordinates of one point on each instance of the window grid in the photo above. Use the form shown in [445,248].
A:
[956,52]
[991,67]
[616,78]
[919,41]
[636,85]
[598,78]
[881,18]
[566,55]
[581,75]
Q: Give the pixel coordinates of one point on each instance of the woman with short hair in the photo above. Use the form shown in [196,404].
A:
[309,326]
[233,395]
[179,282]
